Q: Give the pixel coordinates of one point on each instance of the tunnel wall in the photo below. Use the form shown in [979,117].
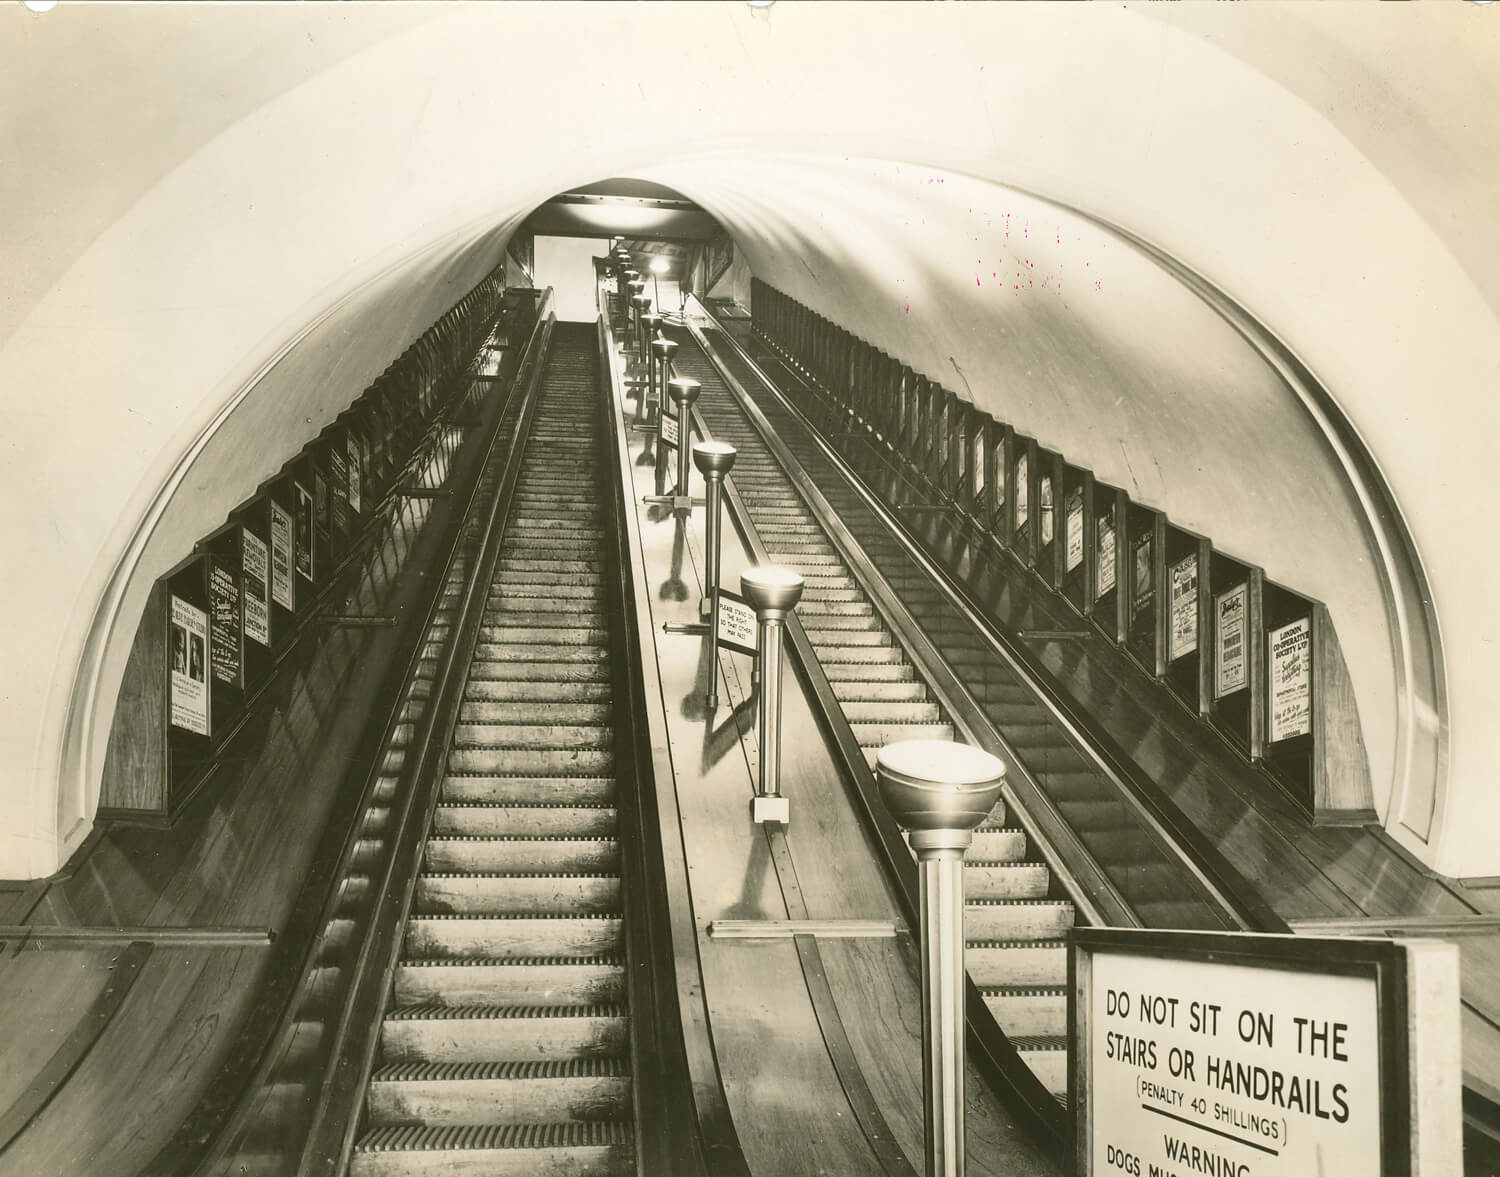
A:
[242,171]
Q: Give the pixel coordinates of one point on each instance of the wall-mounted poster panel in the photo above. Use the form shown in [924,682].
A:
[1107,555]
[256,571]
[1231,650]
[355,475]
[1023,489]
[188,663]
[303,505]
[226,644]
[282,543]
[1073,528]
[1182,628]
[1144,637]
[1241,1055]
[339,488]
[1289,667]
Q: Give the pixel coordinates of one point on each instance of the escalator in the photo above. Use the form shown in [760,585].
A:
[1016,920]
[505,1043]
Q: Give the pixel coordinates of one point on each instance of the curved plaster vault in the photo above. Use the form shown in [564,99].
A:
[271,203]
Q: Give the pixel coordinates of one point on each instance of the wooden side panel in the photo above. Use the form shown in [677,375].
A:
[135,760]
[1342,791]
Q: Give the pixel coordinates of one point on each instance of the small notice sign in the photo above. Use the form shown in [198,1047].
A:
[1230,672]
[1239,1055]
[224,602]
[1044,505]
[356,475]
[253,565]
[1291,679]
[1073,526]
[1106,546]
[189,666]
[737,626]
[304,546]
[281,556]
[1023,491]
[670,433]
[1182,638]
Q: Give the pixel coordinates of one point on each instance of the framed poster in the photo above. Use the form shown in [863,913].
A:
[356,474]
[188,661]
[224,627]
[1143,586]
[304,521]
[1290,678]
[281,556]
[1106,546]
[1073,527]
[670,434]
[254,568]
[1023,490]
[1044,505]
[1182,634]
[1231,672]
[320,499]
[338,468]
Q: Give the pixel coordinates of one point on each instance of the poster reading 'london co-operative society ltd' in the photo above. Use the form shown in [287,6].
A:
[1291,680]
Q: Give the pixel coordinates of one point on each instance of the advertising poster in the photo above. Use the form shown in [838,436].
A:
[224,630]
[1023,491]
[1074,529]
[189,667]
[1142,596]
[737,626]
[340,471]
[1044,506]
[1203,1067]
[281,557]
[320,499]
[1230,671]
[253,566]
[1291,680]
[356,476]
[1182,638]
[1106,546]
[670,434]
[304,544]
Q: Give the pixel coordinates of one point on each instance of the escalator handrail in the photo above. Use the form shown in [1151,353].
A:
[676,993]
[1196,853]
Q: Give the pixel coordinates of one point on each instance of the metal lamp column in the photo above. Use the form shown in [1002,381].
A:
[773,593]
[939,791]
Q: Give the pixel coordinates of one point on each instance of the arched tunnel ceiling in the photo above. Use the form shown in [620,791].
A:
[226,219]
